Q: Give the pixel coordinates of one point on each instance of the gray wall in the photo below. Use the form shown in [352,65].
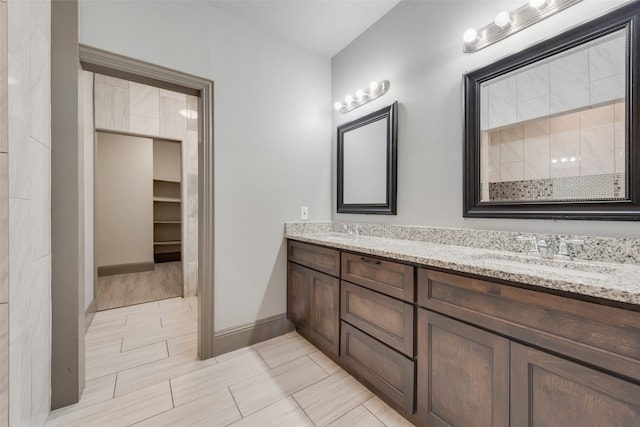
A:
[418,47]
[272,130]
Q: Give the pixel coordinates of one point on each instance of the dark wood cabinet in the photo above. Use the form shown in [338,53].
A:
[463,374]
[541,389]
[550,391]
[384,369]
[326,260]
[313,297]
[388,277]
[298,300]
[386,319]
[324,302]
[449,350]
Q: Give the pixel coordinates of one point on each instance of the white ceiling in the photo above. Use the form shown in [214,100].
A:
[322,26]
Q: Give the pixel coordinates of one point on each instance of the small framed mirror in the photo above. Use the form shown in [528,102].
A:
[367,162]
[552,131]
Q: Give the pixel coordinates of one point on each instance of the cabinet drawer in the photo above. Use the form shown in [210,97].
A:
[316,257]
[594,333]
[387,319]
[382,368]
[388,277]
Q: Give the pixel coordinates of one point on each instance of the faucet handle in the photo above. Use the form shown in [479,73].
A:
[563,248]
[533,249]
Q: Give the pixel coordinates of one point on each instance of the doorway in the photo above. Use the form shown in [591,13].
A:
[113,65]
[139,227]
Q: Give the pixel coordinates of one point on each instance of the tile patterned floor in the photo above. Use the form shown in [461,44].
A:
[164,281]
[142,370]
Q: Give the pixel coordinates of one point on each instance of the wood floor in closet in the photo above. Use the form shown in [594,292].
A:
[142,370]
[121,290]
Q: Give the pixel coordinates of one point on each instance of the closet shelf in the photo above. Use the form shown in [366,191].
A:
[167,222]
[167,243]
[166,199]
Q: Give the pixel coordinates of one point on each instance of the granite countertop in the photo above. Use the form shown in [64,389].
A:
[611,281]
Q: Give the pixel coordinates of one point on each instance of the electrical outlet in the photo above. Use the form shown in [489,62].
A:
[304,212]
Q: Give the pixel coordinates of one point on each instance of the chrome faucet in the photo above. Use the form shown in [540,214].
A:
[353,229]
[544,249]
[533,249]
[563,248]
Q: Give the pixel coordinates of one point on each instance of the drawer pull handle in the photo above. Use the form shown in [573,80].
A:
[370,261]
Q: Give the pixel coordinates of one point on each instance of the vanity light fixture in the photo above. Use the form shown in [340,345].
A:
[508,23]
[375,90]
[538,4]
[503,19]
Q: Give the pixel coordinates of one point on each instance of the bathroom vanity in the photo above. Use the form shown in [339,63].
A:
[460,336]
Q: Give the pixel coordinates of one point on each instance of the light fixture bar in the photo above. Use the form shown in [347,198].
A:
[375,90]
[521,18]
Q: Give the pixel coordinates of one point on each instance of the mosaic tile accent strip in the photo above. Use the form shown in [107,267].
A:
[533,189]
[588,187]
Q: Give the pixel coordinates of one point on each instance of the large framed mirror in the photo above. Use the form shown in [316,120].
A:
[552,131]
[367,162]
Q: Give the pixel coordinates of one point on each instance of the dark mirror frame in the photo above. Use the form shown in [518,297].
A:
[626,17]
[390,114]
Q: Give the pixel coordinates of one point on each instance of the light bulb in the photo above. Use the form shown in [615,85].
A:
[563,160]
[470,35]
[348,99]
[503,19]
[537,4]
[373,86]
[573,159]
[360,94]
[554,160]
[337,105]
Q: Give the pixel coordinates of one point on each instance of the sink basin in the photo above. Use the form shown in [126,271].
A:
[546,263]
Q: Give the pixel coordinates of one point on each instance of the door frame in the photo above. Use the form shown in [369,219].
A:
[114,65]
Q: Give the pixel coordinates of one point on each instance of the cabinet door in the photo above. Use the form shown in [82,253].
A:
[298,278]
[324,326]
[550,391]
[463,374]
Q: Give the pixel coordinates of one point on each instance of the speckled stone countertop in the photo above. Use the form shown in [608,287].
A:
[607,280]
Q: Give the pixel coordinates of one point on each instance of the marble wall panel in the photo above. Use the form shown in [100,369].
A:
[192,105]
[29,206]
[512,171]
[533,93]
[536,149]
[4,77]
[511,146]
[502,102]
[608,89]
[111,107]
[4,228]
[4,364]
[569,82]
[111,81]
[172,123]
[607,59]
[597,154]
[39,82]
[494,156]
[144,109]
[4,221]
[565,135]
